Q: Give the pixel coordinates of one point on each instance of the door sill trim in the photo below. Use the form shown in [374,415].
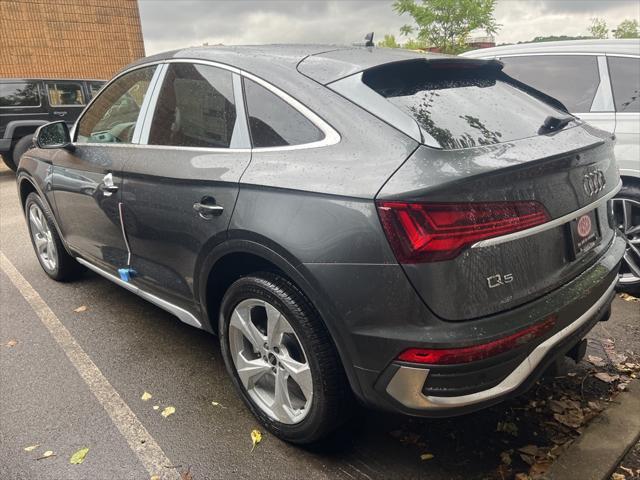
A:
[179,312]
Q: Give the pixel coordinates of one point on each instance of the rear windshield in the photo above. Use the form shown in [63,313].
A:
[461,106]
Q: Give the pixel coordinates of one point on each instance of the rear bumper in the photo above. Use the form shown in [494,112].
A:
[405,383]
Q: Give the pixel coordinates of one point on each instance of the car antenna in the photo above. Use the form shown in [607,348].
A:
[368,40]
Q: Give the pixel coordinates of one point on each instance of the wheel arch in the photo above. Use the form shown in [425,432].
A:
[238,257]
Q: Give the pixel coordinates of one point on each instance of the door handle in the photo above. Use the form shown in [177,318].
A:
[207,208]
[60,113]
[107,186]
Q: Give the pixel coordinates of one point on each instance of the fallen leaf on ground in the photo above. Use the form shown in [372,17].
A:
[426,456]
[596,361]
[256,438]
[46,454]
[78,457]
[539,470]
[573,418]
[505,457]
[522,476]
[216,404]
[605,377]
[168,411]
[156,407]
[507,427]
[30,448]
[186,475]
[617,476]
[145,396]
[12,343]
[155,477]
[529,450]
[629,298]
[80,309]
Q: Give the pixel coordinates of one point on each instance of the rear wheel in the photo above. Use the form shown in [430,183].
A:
[53,257]
[282,359]
[24,144]
[626,208]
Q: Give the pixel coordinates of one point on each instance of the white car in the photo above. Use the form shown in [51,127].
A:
[598,81]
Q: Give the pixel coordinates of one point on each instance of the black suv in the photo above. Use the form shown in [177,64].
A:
[25,104]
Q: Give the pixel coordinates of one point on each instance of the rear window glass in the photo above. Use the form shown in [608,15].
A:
[625,80]
[572,79]
[461,107]
[19,95]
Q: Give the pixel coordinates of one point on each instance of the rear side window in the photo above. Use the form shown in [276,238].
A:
[195,108]
[19,95]
[625,80]
[65,94]
[275,123]
[572,79]
[460,106]
[94,88]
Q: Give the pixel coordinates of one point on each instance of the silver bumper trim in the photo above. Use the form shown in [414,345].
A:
[407,383]
[490,242]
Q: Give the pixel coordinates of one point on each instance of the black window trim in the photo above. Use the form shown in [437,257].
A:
[19,81]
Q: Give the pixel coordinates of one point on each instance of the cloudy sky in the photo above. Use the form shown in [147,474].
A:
[169,24]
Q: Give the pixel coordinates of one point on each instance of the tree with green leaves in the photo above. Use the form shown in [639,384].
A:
[627,29]
[446,24]
[389,42]
[598,28]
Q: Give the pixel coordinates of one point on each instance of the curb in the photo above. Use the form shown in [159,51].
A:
[605,441]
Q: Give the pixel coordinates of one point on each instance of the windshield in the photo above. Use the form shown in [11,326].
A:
[461,106]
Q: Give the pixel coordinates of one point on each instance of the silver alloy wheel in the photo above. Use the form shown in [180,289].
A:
[627,214]
[42,238]
[270,360]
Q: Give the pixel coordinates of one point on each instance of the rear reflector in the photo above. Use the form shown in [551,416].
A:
[432,232]
[450,356]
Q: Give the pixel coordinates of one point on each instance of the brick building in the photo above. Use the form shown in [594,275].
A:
[90,39]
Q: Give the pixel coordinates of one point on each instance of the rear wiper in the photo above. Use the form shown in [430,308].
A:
[554,124]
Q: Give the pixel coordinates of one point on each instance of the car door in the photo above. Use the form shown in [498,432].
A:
[86,181]
[180,189]
[66,99]
[580,82]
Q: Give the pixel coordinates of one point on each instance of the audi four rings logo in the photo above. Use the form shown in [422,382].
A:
[594,182]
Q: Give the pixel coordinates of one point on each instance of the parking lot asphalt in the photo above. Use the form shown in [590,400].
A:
[136,347]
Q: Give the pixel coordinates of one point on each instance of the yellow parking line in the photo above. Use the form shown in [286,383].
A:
[139,440]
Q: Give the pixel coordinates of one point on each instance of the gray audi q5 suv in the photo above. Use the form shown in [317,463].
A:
[422,233]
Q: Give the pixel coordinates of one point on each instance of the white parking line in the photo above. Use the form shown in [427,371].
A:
[140,441]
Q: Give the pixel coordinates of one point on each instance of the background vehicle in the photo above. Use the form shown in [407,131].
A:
[320,207]
[25,104]
[599,81]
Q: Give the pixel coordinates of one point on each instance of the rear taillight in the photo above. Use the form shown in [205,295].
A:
[451,356]
[431,232]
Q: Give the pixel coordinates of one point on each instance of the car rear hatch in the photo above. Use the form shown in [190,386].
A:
[506,198]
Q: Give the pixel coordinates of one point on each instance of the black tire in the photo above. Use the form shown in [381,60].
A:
[630,191]
[332,396]
[66,268]
[24,144]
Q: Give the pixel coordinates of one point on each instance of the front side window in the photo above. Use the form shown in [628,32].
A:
[572,79]
[113,115]
[65,94]
[625,81]
[195,108]
[19,95]
[275,123]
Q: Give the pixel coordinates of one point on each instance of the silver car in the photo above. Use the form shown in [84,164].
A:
[599,81]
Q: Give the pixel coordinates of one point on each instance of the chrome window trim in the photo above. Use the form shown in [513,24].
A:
[179,312]
[331,136]
[141,133]
[625,55]
[407,382]
[490,242]
[603,98]
[548,54]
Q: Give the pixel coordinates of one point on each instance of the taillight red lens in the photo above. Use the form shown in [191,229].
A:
[431,232]
[450,356]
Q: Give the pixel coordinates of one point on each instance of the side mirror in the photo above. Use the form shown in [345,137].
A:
[54,135]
